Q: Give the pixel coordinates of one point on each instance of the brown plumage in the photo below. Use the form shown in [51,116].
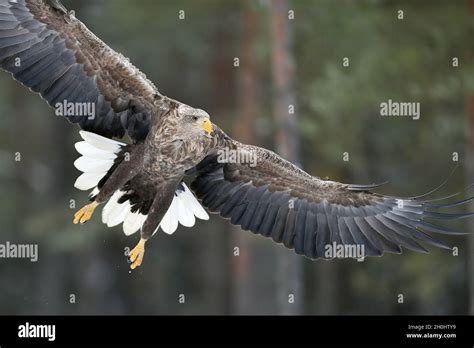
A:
[54,54]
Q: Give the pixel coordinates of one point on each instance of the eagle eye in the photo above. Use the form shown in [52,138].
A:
[195,118]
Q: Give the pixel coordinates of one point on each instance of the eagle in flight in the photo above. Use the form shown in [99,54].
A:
[142,183]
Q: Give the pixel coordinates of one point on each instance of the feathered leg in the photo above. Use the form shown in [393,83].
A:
[157,211]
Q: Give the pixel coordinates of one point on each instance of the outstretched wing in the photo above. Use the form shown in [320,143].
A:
[54,54]
[263,193]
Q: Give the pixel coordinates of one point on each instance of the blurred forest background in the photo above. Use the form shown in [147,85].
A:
[247,63]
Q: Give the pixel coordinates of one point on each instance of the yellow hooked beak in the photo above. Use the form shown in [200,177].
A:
[206,124]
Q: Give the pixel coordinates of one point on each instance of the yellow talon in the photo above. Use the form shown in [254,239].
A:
[136,255]
[85,213]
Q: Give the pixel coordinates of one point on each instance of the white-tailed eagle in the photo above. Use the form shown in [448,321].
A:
[141,184]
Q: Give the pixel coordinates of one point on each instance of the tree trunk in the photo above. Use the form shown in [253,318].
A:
[289,266]
[243,294]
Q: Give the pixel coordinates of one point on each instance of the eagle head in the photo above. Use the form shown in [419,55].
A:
[196,121]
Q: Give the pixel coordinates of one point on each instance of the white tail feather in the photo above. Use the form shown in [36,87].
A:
[193,204]
[185,216]
[88,180]
[89,150]
[98,155]
[133,222]
[169,223]
[183,210]
[110,206]
[90,165]
[100,142]
[119,214]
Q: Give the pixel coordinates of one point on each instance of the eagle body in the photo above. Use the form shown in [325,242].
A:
[142,185]
[159,163]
